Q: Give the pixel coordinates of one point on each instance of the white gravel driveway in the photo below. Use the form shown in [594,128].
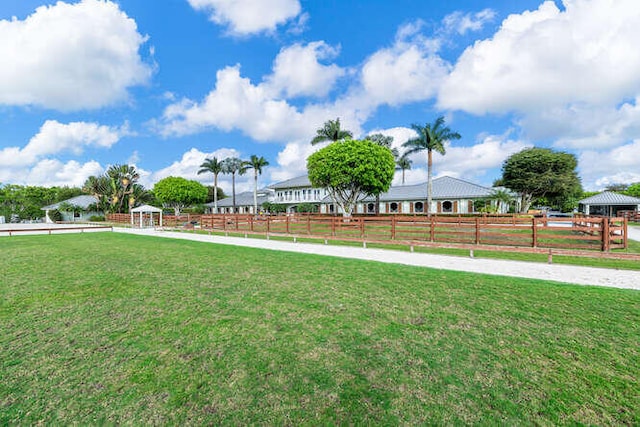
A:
[626,279]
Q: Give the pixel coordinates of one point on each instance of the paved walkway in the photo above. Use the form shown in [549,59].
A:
[625,279]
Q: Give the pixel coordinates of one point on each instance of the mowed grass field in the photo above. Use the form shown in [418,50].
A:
[111,328]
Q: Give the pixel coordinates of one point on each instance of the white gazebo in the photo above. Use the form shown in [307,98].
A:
[141,211]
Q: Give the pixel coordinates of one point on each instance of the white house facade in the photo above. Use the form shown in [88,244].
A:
[450,196]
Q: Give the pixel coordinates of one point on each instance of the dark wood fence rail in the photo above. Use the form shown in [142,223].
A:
[594,233]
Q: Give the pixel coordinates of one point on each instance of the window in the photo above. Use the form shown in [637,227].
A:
[371,208]
[447,206]
[393,207]
[418,207]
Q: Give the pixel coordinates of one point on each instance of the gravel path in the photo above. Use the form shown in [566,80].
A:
[625,279]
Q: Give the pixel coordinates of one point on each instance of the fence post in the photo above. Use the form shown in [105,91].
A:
[268,224]
[361,227]
[393,228]
[605,234]
[309,224]
[534,232]
[477,231]
[431,228]
[624,231]
[287,224]
[251,223]
[333,226]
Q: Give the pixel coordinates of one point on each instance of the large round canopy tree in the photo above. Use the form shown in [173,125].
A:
[351,170]
[541,172]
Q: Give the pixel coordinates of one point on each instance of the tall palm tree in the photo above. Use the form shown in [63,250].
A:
[431,137]
[215,167]
[403,163]
[331,131]
[256,163]
[232,165]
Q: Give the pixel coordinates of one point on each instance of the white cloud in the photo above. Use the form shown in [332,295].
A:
[189,165]
[547,58]
[408,71]
[249,16]
[51,172]
[463,161]
[298,72]
[71,57]
[292,160]
[585,126]
[619,165]
[461,23]
[55,137]
[234,103]
[477,159]
[400,135]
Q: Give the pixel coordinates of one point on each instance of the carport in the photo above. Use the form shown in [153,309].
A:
[609,204]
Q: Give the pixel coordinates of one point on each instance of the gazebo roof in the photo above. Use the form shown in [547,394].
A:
[610,198]
[145,208]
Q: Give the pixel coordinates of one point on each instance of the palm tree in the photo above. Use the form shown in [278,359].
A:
[502,198]
[331,131]
[403,163]
[215,167]
[123,178]
[256,163]
[431,137]
[232,165]
[99,187]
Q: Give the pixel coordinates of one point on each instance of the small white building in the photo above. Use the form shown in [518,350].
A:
[82,213]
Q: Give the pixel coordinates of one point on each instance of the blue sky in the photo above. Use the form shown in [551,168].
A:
[165,84]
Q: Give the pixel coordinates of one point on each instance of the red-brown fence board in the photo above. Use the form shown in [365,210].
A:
[580,233]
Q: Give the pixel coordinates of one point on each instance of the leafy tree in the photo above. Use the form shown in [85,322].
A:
[273,207]
[26,201]
[256,163]
[307,208]
[215,167]
[383,141]
[431,137]
[633,190]
[232,165]
[331,131]
[617,188]
[351,170]
[177,193]
[542,172]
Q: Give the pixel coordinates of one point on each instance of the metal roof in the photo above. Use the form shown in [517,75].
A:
[242,199]
[81,201]
[610,198]
[300,181]
[444,188]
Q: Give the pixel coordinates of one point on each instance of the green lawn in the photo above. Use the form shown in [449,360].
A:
[120,329]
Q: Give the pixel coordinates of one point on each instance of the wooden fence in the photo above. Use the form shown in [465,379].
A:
[630,215]
[591,233]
